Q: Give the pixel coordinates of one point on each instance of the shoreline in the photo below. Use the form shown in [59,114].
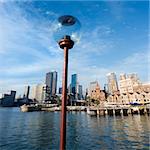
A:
[101,111]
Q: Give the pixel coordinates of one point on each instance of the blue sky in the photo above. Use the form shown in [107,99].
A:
[114,38]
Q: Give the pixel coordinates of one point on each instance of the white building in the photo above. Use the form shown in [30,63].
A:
[112,83]
[92,87]
[127,84]
[38,93]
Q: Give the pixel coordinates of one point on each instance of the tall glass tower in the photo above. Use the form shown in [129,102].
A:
[74,84]
[51,82]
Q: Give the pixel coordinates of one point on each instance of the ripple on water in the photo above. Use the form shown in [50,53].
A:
[41,131]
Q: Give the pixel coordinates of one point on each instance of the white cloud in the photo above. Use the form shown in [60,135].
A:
[28,51]
[135,63]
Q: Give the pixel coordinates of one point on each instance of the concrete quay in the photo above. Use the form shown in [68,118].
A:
[69,108]
[118,111]
[50,107]
[92,110]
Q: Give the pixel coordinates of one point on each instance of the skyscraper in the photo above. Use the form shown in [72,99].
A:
[80,93]
[112,83]
[26,92]
[38,93]
[51,82]
[54,83]
[92,87]
[74,84]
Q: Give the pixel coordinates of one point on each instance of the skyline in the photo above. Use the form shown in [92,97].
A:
[117,31]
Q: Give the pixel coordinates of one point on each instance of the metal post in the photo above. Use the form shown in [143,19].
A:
[64,99]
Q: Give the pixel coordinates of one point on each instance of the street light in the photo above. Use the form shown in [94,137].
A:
[66,33]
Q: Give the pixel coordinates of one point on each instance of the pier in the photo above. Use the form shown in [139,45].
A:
[92,110]
[118,111]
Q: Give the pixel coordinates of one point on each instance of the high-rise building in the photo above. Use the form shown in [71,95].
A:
[38,92]
[79,91]
[69,90]
[92,87]
[74,84]
[60,90]
[51,82]
[8,99]
[112,83]
[54,84]
[26,92]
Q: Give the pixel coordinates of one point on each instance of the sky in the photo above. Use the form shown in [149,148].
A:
[114,37]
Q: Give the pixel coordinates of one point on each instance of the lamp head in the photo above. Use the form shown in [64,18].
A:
[67,26]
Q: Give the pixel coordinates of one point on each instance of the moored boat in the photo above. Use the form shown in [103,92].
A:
[29,108]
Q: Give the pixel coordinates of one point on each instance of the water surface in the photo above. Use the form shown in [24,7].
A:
[40,131]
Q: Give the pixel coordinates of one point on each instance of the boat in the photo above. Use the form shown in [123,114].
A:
[30,108]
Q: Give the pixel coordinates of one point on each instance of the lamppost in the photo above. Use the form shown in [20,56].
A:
[66,34]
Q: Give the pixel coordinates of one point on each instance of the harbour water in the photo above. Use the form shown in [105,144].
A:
[40,131]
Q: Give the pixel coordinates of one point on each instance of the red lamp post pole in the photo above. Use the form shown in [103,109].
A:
[64,98]
[66,43]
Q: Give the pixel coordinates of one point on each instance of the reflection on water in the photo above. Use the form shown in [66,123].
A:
[132,131]
[40,131]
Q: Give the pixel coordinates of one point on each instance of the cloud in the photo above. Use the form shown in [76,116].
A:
[137,62]
[28,50]
[26,46]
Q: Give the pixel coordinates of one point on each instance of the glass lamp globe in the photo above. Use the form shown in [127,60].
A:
[67,26]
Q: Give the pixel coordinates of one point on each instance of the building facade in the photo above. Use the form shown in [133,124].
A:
[131,90]
[8,99]
[112,83]
[51,83]
[74,82]
[127,85]
[26,92]
[96,93]
[92,87]
[38,92]
[80,92]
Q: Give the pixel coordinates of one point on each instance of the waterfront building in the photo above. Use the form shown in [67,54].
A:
[69,89]
[33,92]
[114,98]
[106,88]
[54,83]
[112,83]
[131,90]
[96,93]
[60,90]
[127,83]
[86,93]
[127,86]
[80,92]
[8,99]
[92,87]
[38,92]
[51,83]
[142,93]
[26,92]
[74,82]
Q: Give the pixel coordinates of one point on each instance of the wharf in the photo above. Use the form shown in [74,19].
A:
[122,110]
[50,107]
[92,110]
